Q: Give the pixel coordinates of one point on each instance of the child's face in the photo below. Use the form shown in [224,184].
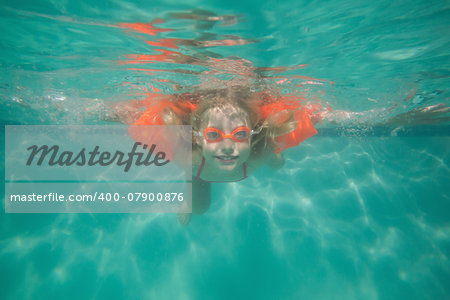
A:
[227,154]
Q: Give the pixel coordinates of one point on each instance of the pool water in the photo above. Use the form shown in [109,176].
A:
[359,211]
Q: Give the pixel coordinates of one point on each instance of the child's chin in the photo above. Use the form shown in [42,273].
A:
[226,166]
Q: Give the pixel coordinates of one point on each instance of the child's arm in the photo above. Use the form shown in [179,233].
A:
[126,112]
[423,115]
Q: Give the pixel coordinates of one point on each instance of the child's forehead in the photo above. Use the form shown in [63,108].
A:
[225,113]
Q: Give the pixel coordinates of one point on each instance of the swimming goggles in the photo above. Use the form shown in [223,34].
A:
[215,135]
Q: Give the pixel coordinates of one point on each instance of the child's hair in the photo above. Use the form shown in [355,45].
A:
[241,97]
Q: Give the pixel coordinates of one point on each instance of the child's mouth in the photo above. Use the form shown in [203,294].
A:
[227,159]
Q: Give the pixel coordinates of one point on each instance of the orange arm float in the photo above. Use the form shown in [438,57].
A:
[304,130]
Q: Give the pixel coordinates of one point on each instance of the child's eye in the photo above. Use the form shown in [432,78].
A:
[212,135]
[241,134]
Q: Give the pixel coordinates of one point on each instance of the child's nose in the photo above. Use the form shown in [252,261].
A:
[227,146]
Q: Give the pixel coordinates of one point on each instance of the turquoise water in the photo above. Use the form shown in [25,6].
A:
[360,211]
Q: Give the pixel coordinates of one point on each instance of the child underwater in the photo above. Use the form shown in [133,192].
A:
[234,131]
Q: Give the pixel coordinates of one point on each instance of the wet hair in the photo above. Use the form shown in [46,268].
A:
[230,97]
